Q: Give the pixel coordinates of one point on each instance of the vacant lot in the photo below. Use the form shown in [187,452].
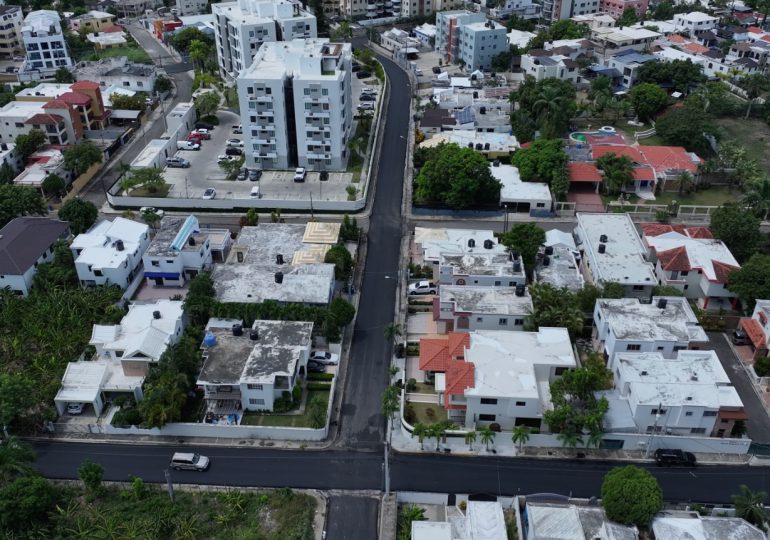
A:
[752,134]
[285,420]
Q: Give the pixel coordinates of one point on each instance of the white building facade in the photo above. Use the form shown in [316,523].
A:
[11,18]
[469,39]
[466,309]
[45,44]
[178,252]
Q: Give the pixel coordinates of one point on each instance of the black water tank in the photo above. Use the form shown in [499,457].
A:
[191,241]
[603,238]
[520,290]
[517,266]
[546,260]
[254,334]
[549,250]
[279,259]
[602,248]
[279,277]
[156,314]
[119,245]
[488,244]
[662,303]
[237,330]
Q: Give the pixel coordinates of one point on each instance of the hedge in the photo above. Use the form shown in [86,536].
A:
[319,386]
[320,376]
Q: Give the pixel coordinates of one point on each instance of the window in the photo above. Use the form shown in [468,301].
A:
[502,321]
[156,263]
[698,430]
[307,91]
[638,287]
[254,386]
[709,413]
[658,411]
[497,283]
[324,91]
[521,403]
[633,347]
[688,413]
[559,371]
[487,417]
[256,401]
[488,401]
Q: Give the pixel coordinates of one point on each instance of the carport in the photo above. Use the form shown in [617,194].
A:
[82,383]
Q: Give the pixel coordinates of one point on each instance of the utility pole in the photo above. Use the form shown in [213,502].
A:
[312,217]
[387,457]
[169,484]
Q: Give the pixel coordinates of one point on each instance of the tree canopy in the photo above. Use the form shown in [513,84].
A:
[29,143]
[752,280]
[340,257]
[565,29]
[162,84]
[18,201]
[79,213]
[648,99]
[458,178]
[182,39]
[685,126]
[618,171]
[553,307]
[738,229]
[129,103]
[631,495]
[548,104]
[526,238]
[544,160]
[79,157]
[681,74]
[207,103]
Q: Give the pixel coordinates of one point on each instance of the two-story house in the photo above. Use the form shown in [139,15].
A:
[25,243]
[665,326]
[757,328]
[465,309]
[111,252]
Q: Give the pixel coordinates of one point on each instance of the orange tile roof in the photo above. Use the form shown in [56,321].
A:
[41,118]
[695,48]
[460,376]
[436,352]
[754,331]
[656,229]
[583,172]
[84,85]
[754,30]
[675,259]
[699,232]
[676,38]
[669,158]
[55,104]
[75,98]
[632,153]
[722,271]
[644,173]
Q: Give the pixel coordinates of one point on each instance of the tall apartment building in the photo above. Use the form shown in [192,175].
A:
[44,42]
[558,10]
[296,105]
[11,18]
[190,7]
[469,38]
[242,26]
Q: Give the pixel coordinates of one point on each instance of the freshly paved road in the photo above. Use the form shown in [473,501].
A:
[347,470]
[352,518]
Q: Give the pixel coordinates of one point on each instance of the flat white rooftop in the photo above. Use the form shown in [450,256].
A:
[434,242]
[514,189]
[631,320]
[490,300]
[299,58]
[691,526]
[571,522]
[149,153]
[44,90]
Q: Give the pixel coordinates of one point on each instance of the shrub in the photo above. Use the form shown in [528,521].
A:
[296,394]
[320,376]
[319,385]
[130,416]
[762,366]
[409,414]
[411,385]
[430,413]
[211,119]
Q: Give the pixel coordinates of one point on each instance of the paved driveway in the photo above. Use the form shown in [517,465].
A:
[758,424]
[352,518]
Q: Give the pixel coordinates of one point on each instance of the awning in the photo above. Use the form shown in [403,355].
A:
[754,331]
[124,114]
[733,415]
[164,275]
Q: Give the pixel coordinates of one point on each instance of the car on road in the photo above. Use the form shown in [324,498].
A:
[299,174]
[363,74]
[669,456]
[367,97]
[151,210]
[189,462]
[368,90]
[356,67]
[324,357]
[740,337]
[203,125]
[233,151]
[234,142]
[238,130]
[315,367]
[224,157]
[242,174]
[255,174]
[74,409]
[210,193]
[422,287]
[203,133]
[368,106]
[177,162]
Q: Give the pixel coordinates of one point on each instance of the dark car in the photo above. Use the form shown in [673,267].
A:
[367,97]
[232,151]
[315,367]
[323,176]
[356,68]
[740,337]
[363,74]
[665,456]
[255,174]
[203,125]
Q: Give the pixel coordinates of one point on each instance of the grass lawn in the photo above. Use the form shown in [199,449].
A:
[285,420]
[160,192]
[422,415]
[713,196]
[652,141]
[134,54]
[752,134]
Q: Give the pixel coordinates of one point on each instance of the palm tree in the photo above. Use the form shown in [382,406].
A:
[16,458]
[758,197]
[520,435]
[749,505]
[570,438]
[470,438]
[435,430]
[487,436]
[199,51]
[344,31]
[595,437]
[392,331]
[420,431]
[686,182]
[754,85]
[548,110]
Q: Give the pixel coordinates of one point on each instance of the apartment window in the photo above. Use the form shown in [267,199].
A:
[307,91]
[638,287]
[98,273]
[307,106]
[487,417]
[659,411]
[324,91]
[254,386]
[688,413]
[518,322]
[698,430]
[521,403]
[633,347]
[256,401]
[559,371]
[268,91]
[502,321]
[709,413]
[488,401]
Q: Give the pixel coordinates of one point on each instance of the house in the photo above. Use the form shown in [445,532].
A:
[481,520]
[280,262]
[39,165]
[757,328]
[107,40]
[692,260]
[610,41]
[93,21]
[524,9]
[460,308]
[396,39]
[552,520]
[695,21]
[469,39]
[558,10]
[669,163]
[557,262]
[557,63]
[110,253]
[249,369]
[666,326]
[680,525]
[491,145]
[627,63]
[467,257]
[612,252]
[118,72]
[687,394]
[426,34]
[124,354]
[26,242]
[533,198]
[615,8]
[520,38]
[190,7]
[43,39]
[496,378]
[643,175]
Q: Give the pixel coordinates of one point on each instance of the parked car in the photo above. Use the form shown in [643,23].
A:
[356,67]
[665,456]
[187,145]
[203,125]
[177,162]
[151,210]
[203,133]
[74,408]
[324,357]
[242,174]
[238,130]
[233,151]
[368,106]
[740,337]
[189,462]
[422,287]
[368,90]
[299,174]
[363,74]
[196,138]
[210,193]
[255,194]
[234,142]
[367,97]
[225,157]
[315,367]
[255,174]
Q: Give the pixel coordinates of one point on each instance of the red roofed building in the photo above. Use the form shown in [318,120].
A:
[757,328]
[644,175]
[436,352]
[71,129]
[585,173]
[669,163]
[459,378]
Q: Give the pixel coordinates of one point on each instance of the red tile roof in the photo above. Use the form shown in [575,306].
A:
[699,232]
[55,104]
[656,229]
[754,30]
[722,271]
[754,331]
[675,259]
[85,85]
[644,173]
[41,118]
[460,376]
[436,352]
[676,38]
[605,139]
[669,158]
[695,48]
[583,172]
[632,153]
[75,98]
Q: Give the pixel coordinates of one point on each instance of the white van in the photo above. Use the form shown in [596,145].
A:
[255,194]
[190,462]
[187,145]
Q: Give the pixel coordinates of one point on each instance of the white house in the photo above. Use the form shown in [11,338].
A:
[757,328]
[482,520]
[248,369]
[426,33]
[557,262]
[692,260]
[25,243]
[118,72]
[110,253]
[44,42]
[612,252]
[178,252]
[666,326]
[556,520]
[467,257]
[396,39]
[687,394]
[516,195]
[552,64]
[465,309]
[694,21]
[680,525]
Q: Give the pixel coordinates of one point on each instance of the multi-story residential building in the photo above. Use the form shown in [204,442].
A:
[695,21]
[93,21]
[692,260]
[757,328]
[118,72]
[615,8]
[83,98]
[467,257]
[687,394]
[59,122]
[556,63]
[499,378]
[44,42]
[190,7]
[410,8]
[612,252]
[11,18]
[627,63]
[296,105]
[132,8]
[249,369]
[396,39]
[665,326]
[465,309]
[39,165]
[470,39]
[610,41]
[25,243]
[524,9]
[558,10]
[111,252]
[242,26]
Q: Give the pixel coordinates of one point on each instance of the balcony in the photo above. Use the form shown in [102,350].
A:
[219,394]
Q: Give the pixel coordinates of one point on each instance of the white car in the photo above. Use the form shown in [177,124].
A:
[205,133]
[422,287]
[74,408]
[150,210]
[210,193]
[224,157]
[367,90]
[324,357]
[299,174]
[234,142]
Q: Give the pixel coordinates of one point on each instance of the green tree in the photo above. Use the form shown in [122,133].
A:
[685,126]
[631,496]
[553,111]
[758,197]
[628,18]
[648,99]
[349,231]
[504,60]
[79,157]
[738,229]
[618,172]
[60,273]
[340,257]
[29,143]
[343,32]
[184,38]
[565,29]
[526,238]
[470,438]
[519,23]
[666,290]
[164,398]
[25,501]
[129,103]
[407,515]
[554,307]
[569,438]
[317,412]
[322,25]
[547,105]
[750,505]
[663,11]
[79,213]
[53,184]
[18,201]
[207,103]
[150,178]
[544,160]
[520,435]
[681,73]
[392,331]
[457,177]
[390,401]
[91,474]
[7,173]
[420,431]
[342,311]
[487,436]
[150,217]
[752,280]
[63,76]
[755,85]
[16,457]
[162,84]
[252,217]
[199,52]
[200,299]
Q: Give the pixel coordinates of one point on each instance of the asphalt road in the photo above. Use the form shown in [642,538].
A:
[352,518]
[361,422]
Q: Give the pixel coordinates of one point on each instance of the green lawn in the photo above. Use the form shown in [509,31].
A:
[652,141]
[753,134]
[422,415]
[160,192]
[712,196]
[284,420]
[134,54]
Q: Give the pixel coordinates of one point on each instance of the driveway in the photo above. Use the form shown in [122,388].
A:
[352,518]
[758,424]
